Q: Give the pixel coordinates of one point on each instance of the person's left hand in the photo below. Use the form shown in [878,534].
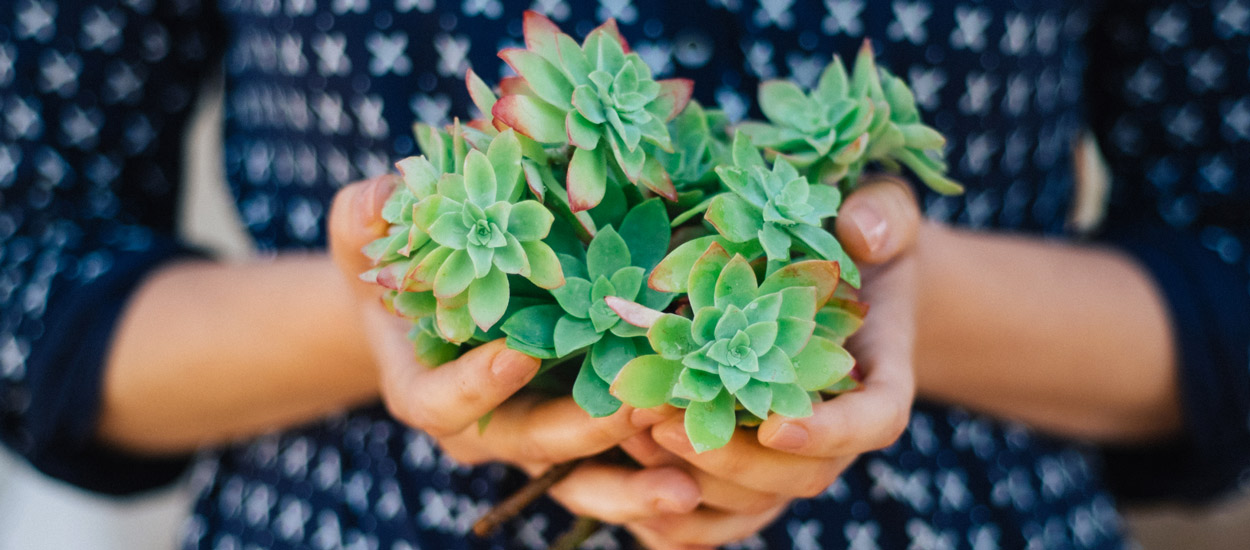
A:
[749,482]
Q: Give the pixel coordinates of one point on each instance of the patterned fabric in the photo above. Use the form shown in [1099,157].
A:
[93,97]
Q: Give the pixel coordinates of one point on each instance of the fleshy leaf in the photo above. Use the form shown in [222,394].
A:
[793,334]
[529,221]
[573,334]
[415,305]
[821,363]
[670,336]
[505,157]
[703,275]
[455,324]
[780,98]
[531,117]
[757,397]
[488,299]
[798,301]
[587,177]
[592,393]
[606,254]
[610,354]
[821,275]
[710,425]
[542,75]
[697,385]
[631,312]
[672,273]
[479,179]
[481,94]
[544,266]
[775,366]
[736,284]
[583,133]
[540,35]
[574,296]
[534,326]
[454,276]
[790,400]
[734,218]
[646,233]
[646,381]
[512,258]
[733,378]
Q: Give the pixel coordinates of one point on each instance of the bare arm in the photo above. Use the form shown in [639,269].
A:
[206,353]
[1071,339]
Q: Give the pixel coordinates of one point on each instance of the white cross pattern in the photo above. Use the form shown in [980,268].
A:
[81,127]
[453,53]
[291,55]
[984,537]
[22,117]
[331,50]
[1184,123]
[13,354]
[979,88]
[491,9]
[388,53]
[805,534]
[805,69]
[927,537]
[775,12]
[36,19]
[1016,37]
[102,30]
[432,110]
[760,60]
[8,56]
[291,519]
[10,158]
[555,9]
[909,21]
[1232,19]
[1169,28]
[1206,71]
[844,17]
[59,73]
[657,55]
[621,10]
[341,7]
[862,536]
[970,27]
[1236,119]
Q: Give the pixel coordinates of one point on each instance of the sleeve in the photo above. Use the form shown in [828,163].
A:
[93,102]
[1169,100]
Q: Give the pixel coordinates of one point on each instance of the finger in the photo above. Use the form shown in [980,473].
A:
[356,220]
[702,527]
[446,400]
[744,461]
[730,496]
[867,419]
[549,431]
[618,495]
[878,220]
[644,450]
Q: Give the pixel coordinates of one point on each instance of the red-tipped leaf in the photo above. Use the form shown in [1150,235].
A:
[675,94]
[609,27]
[540,35]
[633,313]
[531,117]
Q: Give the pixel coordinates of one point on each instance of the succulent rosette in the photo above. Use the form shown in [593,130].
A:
[598,97]
[848,121]
[777,207]
[749,346]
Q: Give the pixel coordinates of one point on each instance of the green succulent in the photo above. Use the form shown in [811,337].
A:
[777,207]
[615,265]
[598,97]
[468,232]
[749,344]
[848,121]
[699,146]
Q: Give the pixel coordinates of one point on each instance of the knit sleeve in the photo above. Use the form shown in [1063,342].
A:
[1169,89]
[93,102]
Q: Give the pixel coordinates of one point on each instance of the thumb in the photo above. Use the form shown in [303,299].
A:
[879,220]
[356,220]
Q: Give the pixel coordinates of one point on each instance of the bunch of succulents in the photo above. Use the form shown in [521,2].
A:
[646,249]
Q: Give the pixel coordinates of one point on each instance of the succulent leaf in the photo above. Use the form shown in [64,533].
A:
[592,393]
[710,425]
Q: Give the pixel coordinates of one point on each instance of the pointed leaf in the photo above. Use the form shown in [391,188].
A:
[573,61]
[797,301]
[763,335]
[606,254]
[778,98]
[544,267]
[587,177]
[454,276]
[415,305]
[775,366]
[631,312]
[610,29]
[672,273]
[821,363]
[703,275]
[455,324]
[512,258]
[736,284]
[479,179]
[504,154]
[790,400]
[757,397]
[703,328]
[582,133]
[587,104]
[793,334]
[534,326]
[646,233]
[529,221]
[821,275]
[670,336]
[647,381]
[540,35]
[745,155]
[531,117]
[481,94]
[710,425]
[542,75]
[420,177]
[592,393]
[610,354]
[697,385]
[574,296]
[627,281]
[734,218]
[488,299]
[448,230]
[573,334]
[834,82]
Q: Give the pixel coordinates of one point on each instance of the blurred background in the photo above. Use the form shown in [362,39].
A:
[37,513]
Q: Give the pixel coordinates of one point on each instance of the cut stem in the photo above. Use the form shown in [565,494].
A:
[510,507]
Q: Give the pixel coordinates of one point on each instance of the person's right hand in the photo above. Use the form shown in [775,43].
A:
[446,402]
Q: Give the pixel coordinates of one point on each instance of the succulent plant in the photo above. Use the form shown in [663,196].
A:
[463,233]
[748,344]
[598,97]
[698,147]
[777,207]
[848,121]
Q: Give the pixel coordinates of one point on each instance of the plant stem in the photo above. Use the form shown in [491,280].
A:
[511,506]
[581,530]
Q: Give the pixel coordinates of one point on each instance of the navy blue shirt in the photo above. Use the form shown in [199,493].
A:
[95,95]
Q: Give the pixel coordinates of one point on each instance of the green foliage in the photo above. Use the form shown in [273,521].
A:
[598,97]
[748,345]
[600,221]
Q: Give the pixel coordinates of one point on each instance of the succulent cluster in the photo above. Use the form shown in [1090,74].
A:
[644,248]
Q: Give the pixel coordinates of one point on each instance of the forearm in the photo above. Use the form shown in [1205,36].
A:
[1073,340]
[206,353]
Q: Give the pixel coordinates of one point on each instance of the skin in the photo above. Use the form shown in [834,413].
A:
[978,300]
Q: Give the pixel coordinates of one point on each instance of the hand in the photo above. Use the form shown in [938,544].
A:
[447,401]
[749,482]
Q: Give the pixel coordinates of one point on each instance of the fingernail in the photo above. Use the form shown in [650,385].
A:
[788,437]
[871,224]
[372,198]
[511,366]
[674,439]
[643,418]
[670,506]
